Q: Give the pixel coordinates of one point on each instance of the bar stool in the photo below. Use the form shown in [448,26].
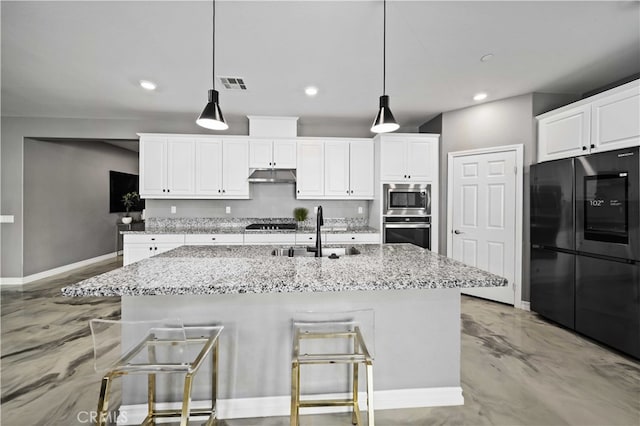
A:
[154,348]
[339,339]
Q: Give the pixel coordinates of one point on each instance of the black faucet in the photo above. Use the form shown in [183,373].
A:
[319,222]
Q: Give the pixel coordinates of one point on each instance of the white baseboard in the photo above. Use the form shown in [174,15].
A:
[525,306]
[240,408]
[55,271]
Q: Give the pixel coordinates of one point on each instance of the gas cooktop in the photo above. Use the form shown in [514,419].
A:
[271,226]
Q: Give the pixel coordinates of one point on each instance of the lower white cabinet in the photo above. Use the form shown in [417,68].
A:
[213,239]
[369,238]
[142,246]
[306,239]
[260,238]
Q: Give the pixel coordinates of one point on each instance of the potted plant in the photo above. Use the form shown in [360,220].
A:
[129,200]
[300,214]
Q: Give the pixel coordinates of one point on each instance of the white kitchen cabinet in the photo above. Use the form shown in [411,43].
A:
[222,168]
[615,121]
[166,167]
[408,157]
[565,134]
[235,169]
[361,169]
[310,173]
[213,239]
[336,169]
[141,246]
[306,238]
[603,122]
[275,238]
[352,238]
[279,154]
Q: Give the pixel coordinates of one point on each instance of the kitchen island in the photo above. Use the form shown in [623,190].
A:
[415,295]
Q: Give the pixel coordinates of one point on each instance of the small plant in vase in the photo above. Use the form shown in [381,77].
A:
[129,200]
[300,214]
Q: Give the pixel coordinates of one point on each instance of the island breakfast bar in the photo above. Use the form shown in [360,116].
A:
[414,293]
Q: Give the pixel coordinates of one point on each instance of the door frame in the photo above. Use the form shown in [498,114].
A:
[519,151]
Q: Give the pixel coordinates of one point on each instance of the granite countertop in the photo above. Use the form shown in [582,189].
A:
[197,270]
[241,230]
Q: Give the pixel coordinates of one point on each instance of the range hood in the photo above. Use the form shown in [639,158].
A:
[273,176]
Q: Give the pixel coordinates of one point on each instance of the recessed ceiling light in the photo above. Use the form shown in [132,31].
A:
[148,85]
[311,91]
[486,57]
[480,96]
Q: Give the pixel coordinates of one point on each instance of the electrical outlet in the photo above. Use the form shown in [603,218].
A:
[360,211]
[174,210]
[228,209]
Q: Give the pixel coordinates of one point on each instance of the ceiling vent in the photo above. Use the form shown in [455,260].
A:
[233,83]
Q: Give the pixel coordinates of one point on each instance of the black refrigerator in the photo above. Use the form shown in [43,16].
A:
[585,245]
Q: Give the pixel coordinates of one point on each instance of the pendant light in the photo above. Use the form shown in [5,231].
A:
[384,122]
[211,117]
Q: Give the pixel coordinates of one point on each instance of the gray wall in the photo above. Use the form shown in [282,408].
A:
[66,201]
[504,122]
[267,200]
[15,129]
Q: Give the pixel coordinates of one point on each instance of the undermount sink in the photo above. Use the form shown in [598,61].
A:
[301,251]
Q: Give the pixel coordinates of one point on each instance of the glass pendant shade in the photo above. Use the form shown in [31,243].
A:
[211,117]
[384,122]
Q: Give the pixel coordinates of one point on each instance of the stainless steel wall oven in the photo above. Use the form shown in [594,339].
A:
[407,214]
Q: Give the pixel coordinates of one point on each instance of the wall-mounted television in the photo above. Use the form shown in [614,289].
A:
[119,184]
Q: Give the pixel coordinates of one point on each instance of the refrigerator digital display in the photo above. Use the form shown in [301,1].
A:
[605,208]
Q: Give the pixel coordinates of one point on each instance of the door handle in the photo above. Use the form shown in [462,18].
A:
[457,231]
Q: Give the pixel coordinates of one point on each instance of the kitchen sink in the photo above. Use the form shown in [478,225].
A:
[301,251]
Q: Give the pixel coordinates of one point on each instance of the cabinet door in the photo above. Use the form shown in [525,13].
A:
[180,166]
[420,156]
[153,166]
[135,252]
[310,181]
[235,169]
[164,247]
[336,169]
[615,121]
[260,154]
[284,154]
[208,161]
[565,134]
[276,238]
[361,161]
[393,165]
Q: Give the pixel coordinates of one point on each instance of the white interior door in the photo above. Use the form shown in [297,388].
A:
[484,216]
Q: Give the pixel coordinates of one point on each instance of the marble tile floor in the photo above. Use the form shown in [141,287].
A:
[517,369]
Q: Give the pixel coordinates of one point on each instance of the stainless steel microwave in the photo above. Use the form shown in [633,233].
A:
[402,199]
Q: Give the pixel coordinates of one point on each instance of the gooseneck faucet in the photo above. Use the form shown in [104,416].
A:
[319,223]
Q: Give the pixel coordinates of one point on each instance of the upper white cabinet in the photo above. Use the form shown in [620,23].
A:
[348,169]
[565,134]
[310,165]
[279,154]
[603,122]
[408,157]
[199,167]
[166,166]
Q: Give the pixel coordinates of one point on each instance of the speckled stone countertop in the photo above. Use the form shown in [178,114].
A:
[237,230]
[197,270]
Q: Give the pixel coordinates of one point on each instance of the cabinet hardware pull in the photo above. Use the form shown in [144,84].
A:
[269,163]
[219,191]
[274,164]
[298,191]
[153,239]
[223,191]
[213,239]
[592,146]
[168,190]
[409,176]
[347,191]
[150,248]
[155,248]
[584,148]
[352,191]
[405,176]
[353,238]
[164,190]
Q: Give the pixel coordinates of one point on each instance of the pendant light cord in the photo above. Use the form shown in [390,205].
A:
[213,55]
[384,49]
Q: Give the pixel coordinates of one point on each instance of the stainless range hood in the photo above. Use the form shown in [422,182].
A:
[273,176]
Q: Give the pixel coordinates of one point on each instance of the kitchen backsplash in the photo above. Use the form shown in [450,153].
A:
[267,201]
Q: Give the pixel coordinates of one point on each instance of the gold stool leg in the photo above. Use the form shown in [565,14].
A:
[151,398]
[186,399]
[103,401]
[355,417]
[214,386]
[295,393]
[370,418]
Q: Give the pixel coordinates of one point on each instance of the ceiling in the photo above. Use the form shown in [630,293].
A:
[84,59]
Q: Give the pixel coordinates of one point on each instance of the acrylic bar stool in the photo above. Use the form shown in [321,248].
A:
[333,338]
[155,348]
